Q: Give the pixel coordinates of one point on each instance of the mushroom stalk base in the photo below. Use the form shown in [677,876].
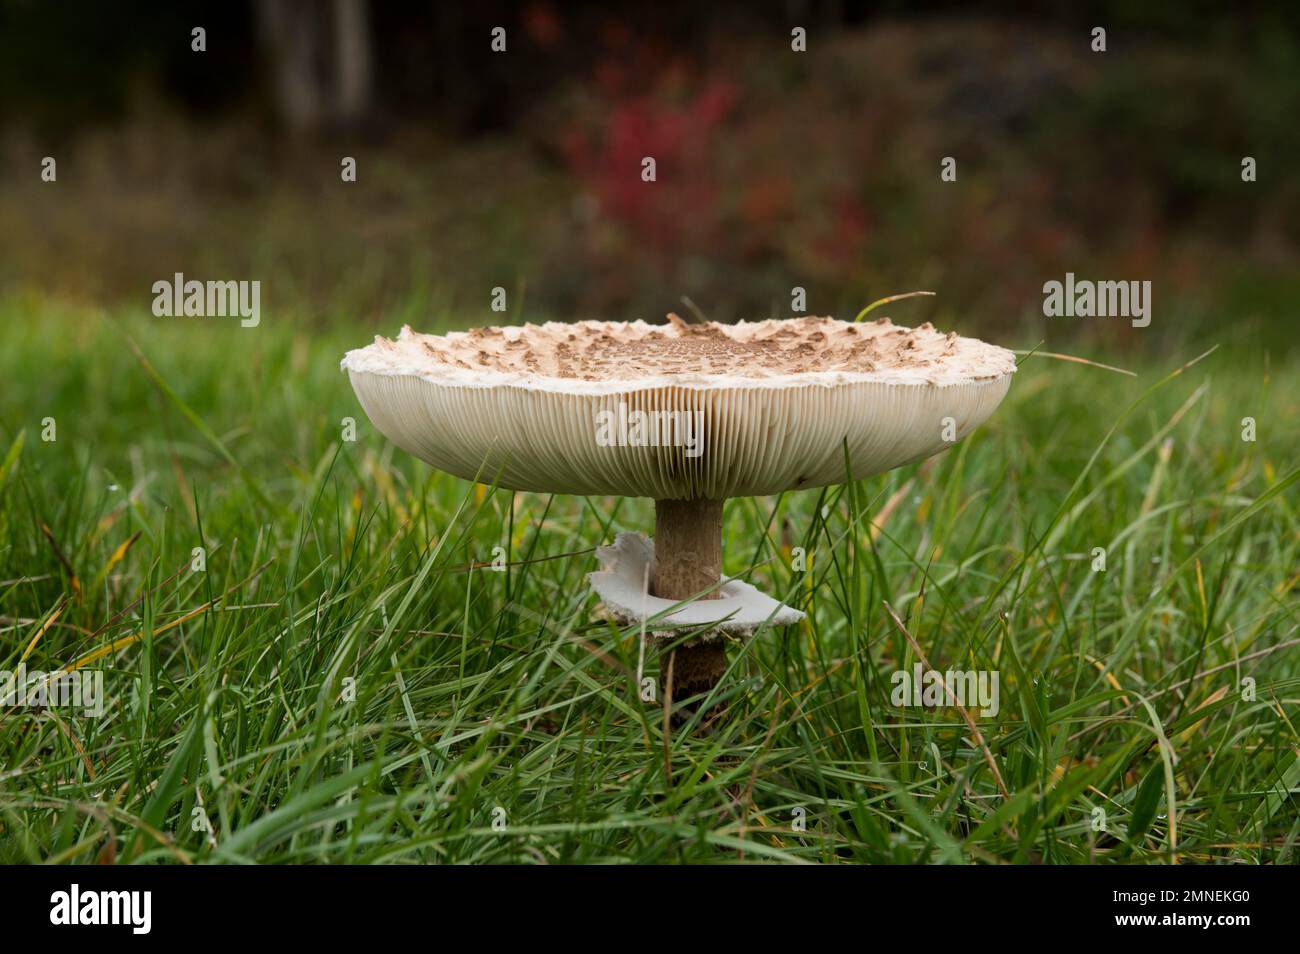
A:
[688,560]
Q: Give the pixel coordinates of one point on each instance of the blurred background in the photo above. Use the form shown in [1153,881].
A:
[775,169]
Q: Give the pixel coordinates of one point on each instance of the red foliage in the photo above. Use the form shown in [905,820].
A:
[680,133]
[542,25]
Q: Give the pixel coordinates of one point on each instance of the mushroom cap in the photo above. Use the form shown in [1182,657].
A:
[677,411]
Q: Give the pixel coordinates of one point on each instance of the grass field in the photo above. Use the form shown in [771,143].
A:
[347,681]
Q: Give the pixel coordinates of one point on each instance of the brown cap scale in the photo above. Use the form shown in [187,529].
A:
[686,414]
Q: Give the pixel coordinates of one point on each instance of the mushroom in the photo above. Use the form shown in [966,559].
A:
[688,415]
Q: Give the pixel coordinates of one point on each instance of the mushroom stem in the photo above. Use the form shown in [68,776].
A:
[688,548]
[688,559]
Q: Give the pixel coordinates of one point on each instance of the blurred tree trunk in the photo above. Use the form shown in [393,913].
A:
[321,60]
[355,63]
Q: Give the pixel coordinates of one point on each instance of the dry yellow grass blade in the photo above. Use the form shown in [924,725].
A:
[1214,697]
[120,552]
[890,298]
[1075,360]
[115,558]
[952,698]
[41,632]
[1108,676]
[125,641]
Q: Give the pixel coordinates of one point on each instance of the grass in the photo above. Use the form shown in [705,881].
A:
[347,680]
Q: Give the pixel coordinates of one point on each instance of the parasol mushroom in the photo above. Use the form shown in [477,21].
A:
[688,415]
